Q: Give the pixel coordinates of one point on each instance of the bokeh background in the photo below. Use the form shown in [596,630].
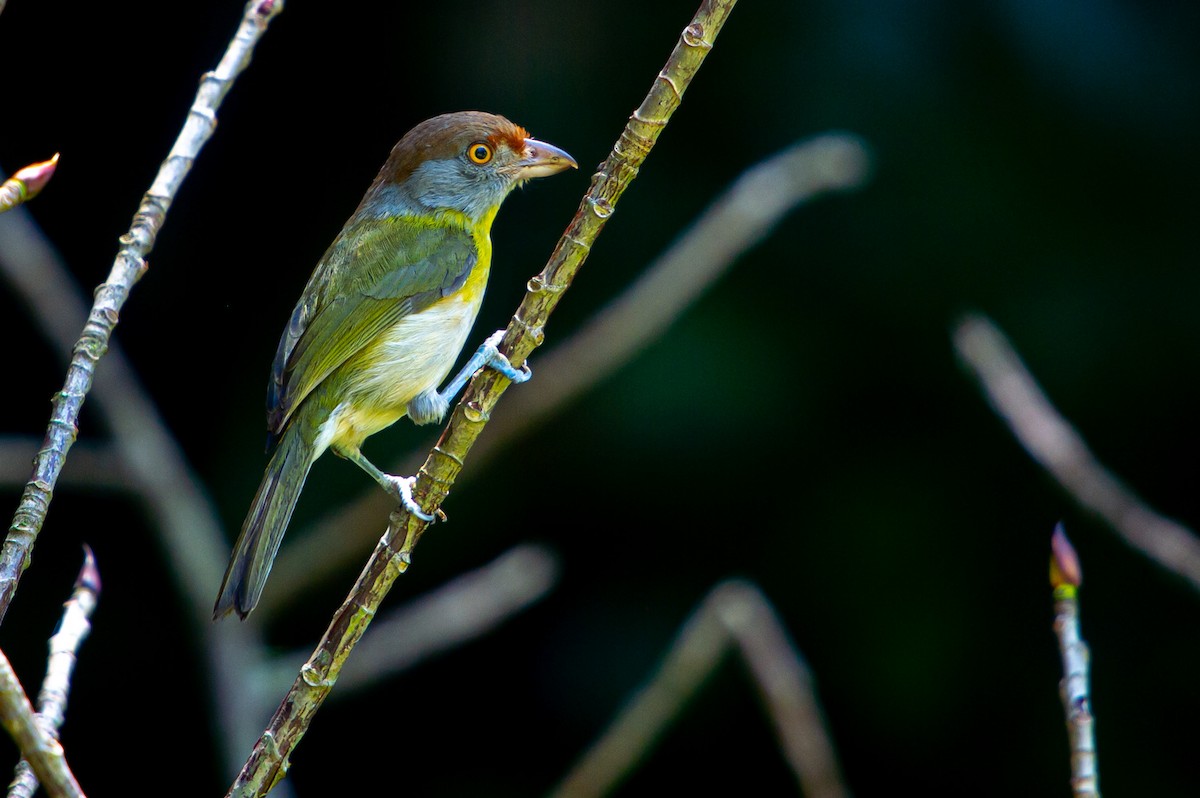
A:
[1034,161]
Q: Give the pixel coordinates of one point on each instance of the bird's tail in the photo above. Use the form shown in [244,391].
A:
[263,529]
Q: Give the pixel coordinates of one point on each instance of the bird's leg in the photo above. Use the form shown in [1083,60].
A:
[486,355]
[400,487]
[431,407]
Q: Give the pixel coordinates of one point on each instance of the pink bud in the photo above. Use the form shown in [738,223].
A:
[89,574]
[1064,562]
[36,176]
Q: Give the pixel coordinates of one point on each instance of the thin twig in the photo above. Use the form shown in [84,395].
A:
[1054,443]
[737,220]
[734,612]
[143,457]
[182,512]
[128,266]
[64,645]
[1066,577]
[785,685]
[37,746]
[268,762]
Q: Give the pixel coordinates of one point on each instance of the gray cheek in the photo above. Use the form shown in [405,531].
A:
[452,184]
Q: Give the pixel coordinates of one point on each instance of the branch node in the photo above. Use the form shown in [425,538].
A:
[268,8]
[670,81]
[536,333]
[693,36]
[579,242]
[451,456]
[474,413]
[601,207]
[62,423]
[537,284]
[313,677]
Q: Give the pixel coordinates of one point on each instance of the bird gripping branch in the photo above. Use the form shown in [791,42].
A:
[384,317]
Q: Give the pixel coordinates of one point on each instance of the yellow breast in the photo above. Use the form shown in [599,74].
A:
[413,356]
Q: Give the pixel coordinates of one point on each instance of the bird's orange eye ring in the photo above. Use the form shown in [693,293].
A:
[479,153]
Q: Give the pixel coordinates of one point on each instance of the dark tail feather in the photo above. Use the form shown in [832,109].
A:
[263,529]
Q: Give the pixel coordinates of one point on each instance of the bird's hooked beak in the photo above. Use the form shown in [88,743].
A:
[542,159]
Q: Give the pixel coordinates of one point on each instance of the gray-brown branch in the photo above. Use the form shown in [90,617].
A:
[110,297]
[735,613]
[268,761]
[1053,442]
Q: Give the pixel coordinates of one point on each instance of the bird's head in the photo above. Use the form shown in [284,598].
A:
[466,162]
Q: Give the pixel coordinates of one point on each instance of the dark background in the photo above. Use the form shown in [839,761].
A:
[1035,161]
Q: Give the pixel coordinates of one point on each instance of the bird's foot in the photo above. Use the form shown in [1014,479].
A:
[402,488]
[489,354]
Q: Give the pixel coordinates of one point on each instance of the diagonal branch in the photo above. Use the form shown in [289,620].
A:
[143,458]
[268,761]
[110,297]
[1054,443]
[37,746]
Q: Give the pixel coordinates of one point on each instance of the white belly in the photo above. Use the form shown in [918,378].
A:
[416,354]
[413,357]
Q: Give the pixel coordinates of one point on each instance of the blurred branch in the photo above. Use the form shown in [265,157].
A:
[150,459]
[129,265]
[1052,442]
[268,762]
[737,220]
[143,458]
[1066,577]
[734,612]
[37,746]
[27,183]
[143,452]
[73,628]
[465,608]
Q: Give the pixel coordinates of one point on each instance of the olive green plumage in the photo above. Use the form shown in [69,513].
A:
[383,317]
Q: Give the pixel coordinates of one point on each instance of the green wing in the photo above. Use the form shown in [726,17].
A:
[376,272]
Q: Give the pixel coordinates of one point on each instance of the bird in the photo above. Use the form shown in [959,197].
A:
[384,317]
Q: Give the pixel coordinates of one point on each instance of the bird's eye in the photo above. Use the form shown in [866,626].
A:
[479,153]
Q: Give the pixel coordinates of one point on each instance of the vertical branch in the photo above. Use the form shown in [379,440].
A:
[268,761]
[52,699]
[1066,577]
[127,268]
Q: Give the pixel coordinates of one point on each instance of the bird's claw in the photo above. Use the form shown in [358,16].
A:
[492,357]
[404,486]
